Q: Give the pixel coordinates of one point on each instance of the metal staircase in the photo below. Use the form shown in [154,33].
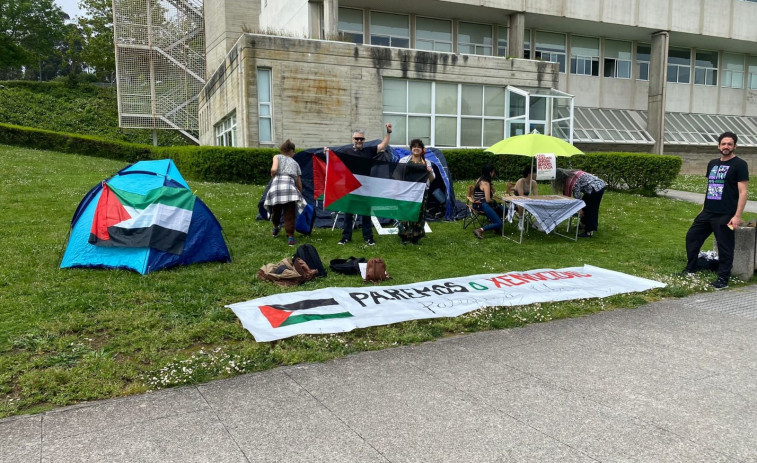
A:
[160,63]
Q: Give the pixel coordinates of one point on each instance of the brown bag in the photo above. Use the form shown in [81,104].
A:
[281,273]
[302,268]
[376,270]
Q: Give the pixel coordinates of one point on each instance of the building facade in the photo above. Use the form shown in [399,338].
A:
[644,75]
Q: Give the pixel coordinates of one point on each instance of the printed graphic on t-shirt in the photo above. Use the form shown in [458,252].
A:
[716,180]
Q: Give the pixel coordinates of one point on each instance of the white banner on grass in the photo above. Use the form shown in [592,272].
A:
[336,310]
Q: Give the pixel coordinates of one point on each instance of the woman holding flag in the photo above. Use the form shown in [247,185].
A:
[414,231]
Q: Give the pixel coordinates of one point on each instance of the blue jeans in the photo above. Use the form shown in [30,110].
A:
[495,221]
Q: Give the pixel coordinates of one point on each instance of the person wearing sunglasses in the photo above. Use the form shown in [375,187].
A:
[379,153]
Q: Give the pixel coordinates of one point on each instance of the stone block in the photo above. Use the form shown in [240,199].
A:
[744,253]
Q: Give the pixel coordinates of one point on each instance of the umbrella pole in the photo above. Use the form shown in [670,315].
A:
[533,160]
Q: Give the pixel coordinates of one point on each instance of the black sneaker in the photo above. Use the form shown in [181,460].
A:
[343,241]
[687,273]
[720,283]
[370,242]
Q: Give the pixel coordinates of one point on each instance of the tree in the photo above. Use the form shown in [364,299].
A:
[30,31]
[98,51]
[71,53]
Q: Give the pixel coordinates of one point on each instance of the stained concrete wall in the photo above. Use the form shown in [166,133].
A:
[718,18]
[226,90]
[290,18]
[321,89]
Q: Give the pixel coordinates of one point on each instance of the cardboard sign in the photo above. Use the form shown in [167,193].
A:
[546,166]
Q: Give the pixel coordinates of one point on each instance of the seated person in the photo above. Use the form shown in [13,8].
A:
[483,195]
[525,186]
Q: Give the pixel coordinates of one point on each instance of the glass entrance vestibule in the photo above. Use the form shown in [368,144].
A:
[546,111]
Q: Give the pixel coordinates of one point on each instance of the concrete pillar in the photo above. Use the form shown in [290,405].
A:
[315,19]
[515,35]
[330,18]
[225,21]
[743,253]
[658,77]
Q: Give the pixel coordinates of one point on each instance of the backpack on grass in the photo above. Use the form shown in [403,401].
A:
[376,270]
[308,253]
[349,266]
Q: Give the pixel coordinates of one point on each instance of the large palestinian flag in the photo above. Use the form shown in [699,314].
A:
[368,187]
[159,219]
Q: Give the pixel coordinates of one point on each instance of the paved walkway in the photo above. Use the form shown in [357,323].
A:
[672,381]
[751,206]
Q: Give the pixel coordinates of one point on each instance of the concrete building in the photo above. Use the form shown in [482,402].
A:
[637,75]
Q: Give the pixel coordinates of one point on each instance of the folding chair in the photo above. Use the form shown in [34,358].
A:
[475,217]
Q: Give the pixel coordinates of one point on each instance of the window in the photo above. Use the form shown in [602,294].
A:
[617,59]
[390,30]
[226,131]
[679,65]
[643,53]
[752,63]
[444,114]
[265,106]
[706,68]
[733,70]
[551,47]
[351,24]
[527,44]
[474,39]
[501,41]
[584,56]
[433,34]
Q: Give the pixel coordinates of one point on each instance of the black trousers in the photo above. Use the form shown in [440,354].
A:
[705,224]
[591,211]
[366,226]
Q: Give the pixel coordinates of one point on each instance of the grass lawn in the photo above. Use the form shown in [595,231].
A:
[74,335]
[698,184]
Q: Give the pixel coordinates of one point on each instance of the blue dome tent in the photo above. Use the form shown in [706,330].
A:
[138,239]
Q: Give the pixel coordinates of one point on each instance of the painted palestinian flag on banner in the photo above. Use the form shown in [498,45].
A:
[368,187]
[159,219]
[287,314]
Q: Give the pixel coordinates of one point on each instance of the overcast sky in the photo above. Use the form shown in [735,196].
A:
[71,7]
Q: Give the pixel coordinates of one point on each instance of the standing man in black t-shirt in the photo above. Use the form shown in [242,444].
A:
[370,152]
[727,181]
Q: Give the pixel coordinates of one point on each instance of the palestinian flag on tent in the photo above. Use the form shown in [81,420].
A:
[368,187]
[158,219]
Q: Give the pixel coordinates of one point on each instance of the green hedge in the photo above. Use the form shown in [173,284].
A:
[635,172]
[71,143]
[221,164]
[210,163]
